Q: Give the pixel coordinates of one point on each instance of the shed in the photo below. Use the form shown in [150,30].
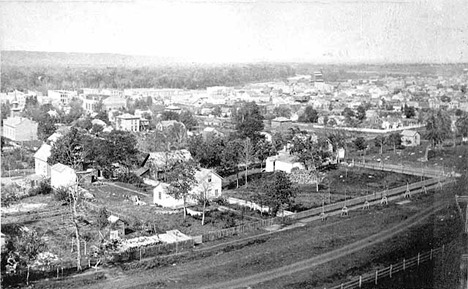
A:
[410,138]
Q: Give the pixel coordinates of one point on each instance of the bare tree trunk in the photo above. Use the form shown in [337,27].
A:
[204,207]
[246,175]
[237,178]
[185,208]
[77,232]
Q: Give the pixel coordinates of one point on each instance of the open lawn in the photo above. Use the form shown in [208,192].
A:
[445,158]
[342,183]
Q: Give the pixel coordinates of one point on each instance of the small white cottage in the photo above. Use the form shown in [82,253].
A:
[208,182]
[62,176]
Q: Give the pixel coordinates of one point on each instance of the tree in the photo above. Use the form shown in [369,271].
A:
[462,125]
[360,143]
[68,150]
[278,141]
[181,180]
[394,139]
[282,111]
[5,111]
[28,246]
[248,153]
[170,115]
[264,149]
[203,198]
[187,118]
[438,127]
[310,115]
[102,220]
[208,153]
[249,121]
[379,142]
[311,153]
[231,157]
[409,111]
[279,191]
[361,113]
[217,111]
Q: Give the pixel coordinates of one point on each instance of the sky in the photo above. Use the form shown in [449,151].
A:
[325,31]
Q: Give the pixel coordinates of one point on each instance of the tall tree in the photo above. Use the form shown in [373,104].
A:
[181,180]
[263,150]
[394,140]
[310,115]
[68,150]
[361,113]
[187,118]
[360,143]
[231,158]
[309,151]
[438,127]
[379,142]
[279,191]
[249,121]
[248,153]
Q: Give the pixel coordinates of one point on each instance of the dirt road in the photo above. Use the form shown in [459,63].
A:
[269,260]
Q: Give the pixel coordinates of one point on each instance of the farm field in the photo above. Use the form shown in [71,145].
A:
[289,246]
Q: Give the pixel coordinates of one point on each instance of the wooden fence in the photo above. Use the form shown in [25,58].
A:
[248,227]
[373,277]
[401,169]
[413,188]
[138,253]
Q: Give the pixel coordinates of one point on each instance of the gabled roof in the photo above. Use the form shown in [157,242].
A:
[159,158]
[43,153]
[58,167]
[409,133]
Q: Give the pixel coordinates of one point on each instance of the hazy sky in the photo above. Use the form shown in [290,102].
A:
[243,30]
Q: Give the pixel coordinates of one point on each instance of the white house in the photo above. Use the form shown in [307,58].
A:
[62,176]
[410,138]
[208,182]
[40,160]
[282,162]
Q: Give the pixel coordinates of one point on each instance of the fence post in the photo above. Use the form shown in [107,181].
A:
[430,255]
[57,272]
[342,286]
[443,248]
[419,254]
[404,264]
[360,281]
[376,276]
[140,254]
[391,267]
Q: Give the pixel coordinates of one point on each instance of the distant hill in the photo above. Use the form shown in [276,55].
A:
[39,58]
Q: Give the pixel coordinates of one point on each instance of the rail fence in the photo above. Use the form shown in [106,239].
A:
[405,264]
[401,169]
[413,188]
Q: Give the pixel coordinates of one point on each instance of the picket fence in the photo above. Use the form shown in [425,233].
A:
[405,264]
[244,228]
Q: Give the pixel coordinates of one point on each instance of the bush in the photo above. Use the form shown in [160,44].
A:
[130,178]
[62,194]
[44,188]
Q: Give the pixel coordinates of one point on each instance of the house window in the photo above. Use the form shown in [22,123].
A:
[209,180]
[159,195]
[216,192]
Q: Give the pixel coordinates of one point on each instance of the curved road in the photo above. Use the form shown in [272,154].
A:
[329,256]
[150,278]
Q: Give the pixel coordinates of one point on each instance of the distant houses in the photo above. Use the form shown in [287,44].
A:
[127,122]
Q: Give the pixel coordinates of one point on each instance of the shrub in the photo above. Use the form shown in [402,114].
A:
[130,178]
[62,194]
[44,188]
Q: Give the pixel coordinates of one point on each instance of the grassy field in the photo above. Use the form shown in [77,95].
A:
[446,158]
[342,183]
